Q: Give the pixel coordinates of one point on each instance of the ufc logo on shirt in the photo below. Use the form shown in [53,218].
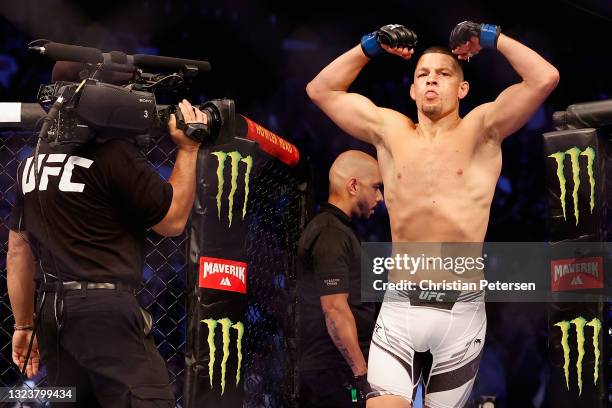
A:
[55,165]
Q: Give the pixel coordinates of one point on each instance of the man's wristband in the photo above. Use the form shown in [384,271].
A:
[488,35]
[23,327]
[370,46]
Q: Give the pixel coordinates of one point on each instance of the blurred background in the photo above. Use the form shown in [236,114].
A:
[263,54]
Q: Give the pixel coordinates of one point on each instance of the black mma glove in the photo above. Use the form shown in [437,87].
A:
[487,34]
[392,35]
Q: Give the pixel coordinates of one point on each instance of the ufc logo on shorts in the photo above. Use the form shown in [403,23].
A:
[55,165]
[431,295]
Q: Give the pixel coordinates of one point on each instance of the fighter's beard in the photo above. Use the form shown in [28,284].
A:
[432,111]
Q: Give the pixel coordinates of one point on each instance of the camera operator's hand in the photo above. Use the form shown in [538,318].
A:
[21,341]
[191,115]
[183,177]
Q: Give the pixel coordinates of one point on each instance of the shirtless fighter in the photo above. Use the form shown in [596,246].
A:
[439,176]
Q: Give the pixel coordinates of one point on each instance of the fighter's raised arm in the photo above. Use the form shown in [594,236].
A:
[352,112]
[517,103]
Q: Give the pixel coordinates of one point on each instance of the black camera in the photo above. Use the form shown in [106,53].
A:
[94,109]
[78,112]
[97,110]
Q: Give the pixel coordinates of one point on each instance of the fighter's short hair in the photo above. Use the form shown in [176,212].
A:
[439,49]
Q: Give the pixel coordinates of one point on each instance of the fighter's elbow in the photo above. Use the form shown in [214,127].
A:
[550,80]
[313,90]
[318,92]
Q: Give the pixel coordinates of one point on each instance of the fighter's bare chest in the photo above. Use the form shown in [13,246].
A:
[421,162]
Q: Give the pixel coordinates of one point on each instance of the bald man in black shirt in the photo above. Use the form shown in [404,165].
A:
[335,327]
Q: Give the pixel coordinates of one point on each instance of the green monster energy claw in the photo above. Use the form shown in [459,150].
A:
[574,154]
[564,326]
[589,152]
[225,331]
[212,324]
[596,325]
[559,156]
[247,176]
[220,165]
[226,324]
[240,329]
[235,159]
[579,324]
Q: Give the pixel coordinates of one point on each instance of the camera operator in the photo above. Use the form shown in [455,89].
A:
[85,218]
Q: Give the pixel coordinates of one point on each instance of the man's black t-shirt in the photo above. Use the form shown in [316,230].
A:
[329,255]
[98,201]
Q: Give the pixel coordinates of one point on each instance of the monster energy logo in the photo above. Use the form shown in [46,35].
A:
[226,324]
[579,324]
[574,154]
[235,159]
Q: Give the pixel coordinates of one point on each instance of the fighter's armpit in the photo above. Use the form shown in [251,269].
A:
[394,124]
[478,120]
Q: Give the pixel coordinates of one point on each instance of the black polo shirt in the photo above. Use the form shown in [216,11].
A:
[329,255]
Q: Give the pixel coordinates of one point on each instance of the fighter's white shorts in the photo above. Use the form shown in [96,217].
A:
[440,345]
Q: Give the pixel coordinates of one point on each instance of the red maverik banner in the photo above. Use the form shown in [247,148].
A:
[223,274]
[576,273]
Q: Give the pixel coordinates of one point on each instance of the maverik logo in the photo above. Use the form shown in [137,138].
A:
[579,324]
[574,153]
[576,273]
[28,182]
[223,274]
[226,324]
[235,159]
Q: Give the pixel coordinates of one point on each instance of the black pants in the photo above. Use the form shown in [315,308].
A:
[103,351]
[330,388]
